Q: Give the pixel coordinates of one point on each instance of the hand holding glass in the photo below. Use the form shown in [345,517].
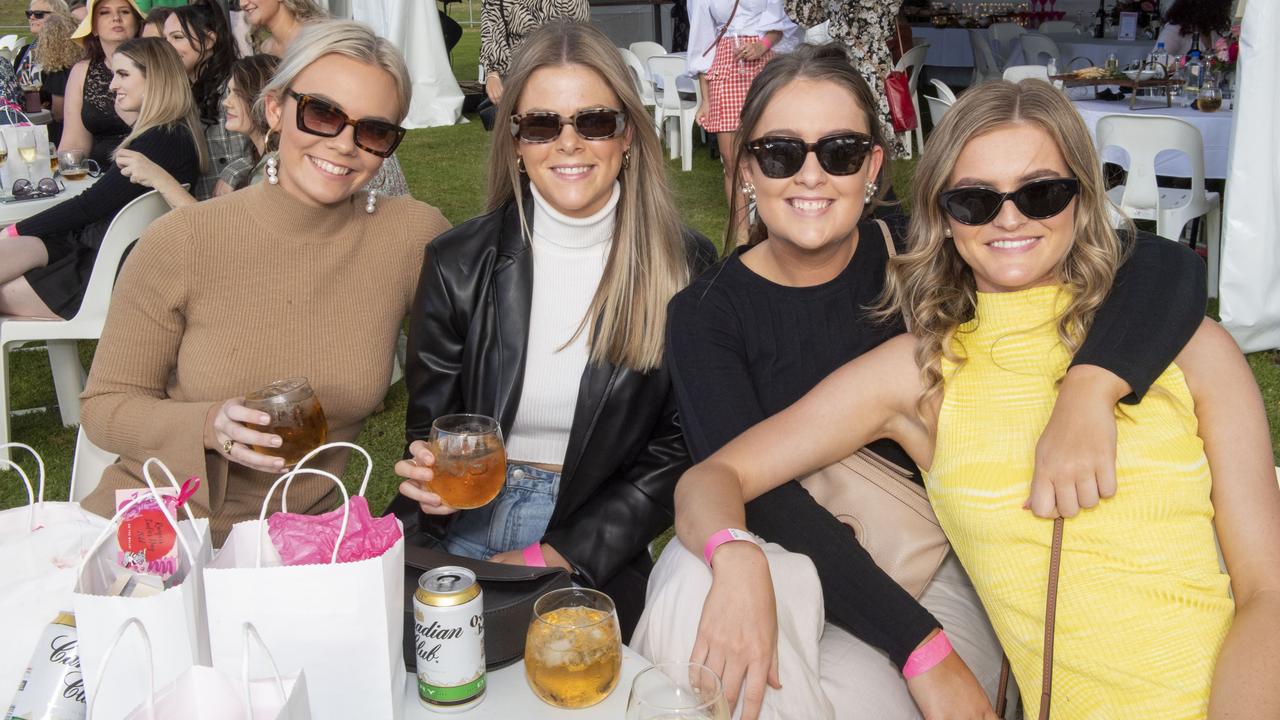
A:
[573,652]
[296,416]
[471,461]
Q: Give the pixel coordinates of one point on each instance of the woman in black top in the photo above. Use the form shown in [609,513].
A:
[92,122]
[754,334]
[45,260]
[54,56]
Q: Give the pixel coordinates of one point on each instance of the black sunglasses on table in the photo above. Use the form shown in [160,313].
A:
[781,157]
[24,189]
[1038,200]
[539,126]
[38,14]
[323,118]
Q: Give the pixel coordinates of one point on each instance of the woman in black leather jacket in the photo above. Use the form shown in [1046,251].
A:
[548,313]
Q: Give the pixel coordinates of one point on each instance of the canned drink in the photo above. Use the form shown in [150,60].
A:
[448,608]
[52,688]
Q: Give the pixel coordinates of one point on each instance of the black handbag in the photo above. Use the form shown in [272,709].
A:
[509,594]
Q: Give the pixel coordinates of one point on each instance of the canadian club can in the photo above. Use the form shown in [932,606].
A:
[448,608]
[52,688]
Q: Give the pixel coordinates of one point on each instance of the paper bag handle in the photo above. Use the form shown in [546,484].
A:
[146,476]
[115,519]
[32,497]
[286,479]
[151,668]
[368,467]
[251,631]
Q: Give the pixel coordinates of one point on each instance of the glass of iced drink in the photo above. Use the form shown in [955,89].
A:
[677,691]
[471,460]
[573,652]
[296,416]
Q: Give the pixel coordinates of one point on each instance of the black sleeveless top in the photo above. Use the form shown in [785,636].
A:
[99,113]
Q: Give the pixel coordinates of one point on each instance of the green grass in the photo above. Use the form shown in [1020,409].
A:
[445,167]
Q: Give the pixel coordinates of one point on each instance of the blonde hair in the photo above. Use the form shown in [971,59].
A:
[932,286]
[626,321]
[304,10]
[168,99]
[338,37]
[56,50]
[57,6]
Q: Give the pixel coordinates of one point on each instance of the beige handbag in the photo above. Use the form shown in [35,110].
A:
[888,512]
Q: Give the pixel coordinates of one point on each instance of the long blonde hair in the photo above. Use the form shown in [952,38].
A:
[168,99]
[56,50]
[626,322]
[932,286]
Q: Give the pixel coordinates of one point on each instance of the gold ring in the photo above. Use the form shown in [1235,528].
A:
[226,446]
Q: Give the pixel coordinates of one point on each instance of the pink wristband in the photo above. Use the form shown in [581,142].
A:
[768,44]
[927,655]
[11,231]
[533,556]
[722,537]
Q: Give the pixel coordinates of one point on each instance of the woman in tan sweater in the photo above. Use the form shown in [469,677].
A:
[302,275]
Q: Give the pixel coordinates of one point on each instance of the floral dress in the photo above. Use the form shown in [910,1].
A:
[864,26]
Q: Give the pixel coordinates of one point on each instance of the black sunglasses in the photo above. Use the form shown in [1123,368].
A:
[23,189]
[37,14]
[539,126]
[782,157]
[323,118]
[1038,200]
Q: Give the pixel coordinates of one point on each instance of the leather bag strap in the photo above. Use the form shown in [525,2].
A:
[1050,616]
[724,29]
[888,239]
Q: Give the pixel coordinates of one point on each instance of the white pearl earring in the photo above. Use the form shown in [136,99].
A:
[273,169]
[372,203]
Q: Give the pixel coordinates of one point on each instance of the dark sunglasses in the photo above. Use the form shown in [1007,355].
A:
[591,124]
[1038,200]
[782,157]
[323,118]
[37,14]
[23,189]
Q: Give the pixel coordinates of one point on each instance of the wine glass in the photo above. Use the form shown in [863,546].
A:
[573,652]
[677,691]
[296,416]
[471,460]
[1210,97]
[27,150]
[4,155]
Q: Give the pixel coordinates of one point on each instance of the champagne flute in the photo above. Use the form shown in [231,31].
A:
[677,691]
[27,150]
[4,155]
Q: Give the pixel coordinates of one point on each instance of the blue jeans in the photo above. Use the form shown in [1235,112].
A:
[517,518]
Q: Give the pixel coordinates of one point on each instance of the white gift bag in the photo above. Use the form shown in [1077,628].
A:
[15,128]
[340,622]
[174,617]
[41,545]
[202,693]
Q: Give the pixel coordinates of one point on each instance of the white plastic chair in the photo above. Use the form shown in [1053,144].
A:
[645,49]
[60,336]
[910,63]
[1018,73]
[1005,37]
[1143,137]
[672,107]
[87,466]
[985,65]
[644,84]
[9,42]
[1038,49]
[937,108]
[944,92]
[1060,27]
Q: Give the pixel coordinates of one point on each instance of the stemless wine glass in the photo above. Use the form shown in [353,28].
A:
[296,416]
[471,461]
[677,691]
[573,652]
[1210,97]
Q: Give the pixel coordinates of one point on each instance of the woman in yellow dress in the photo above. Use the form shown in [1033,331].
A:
[1010,254]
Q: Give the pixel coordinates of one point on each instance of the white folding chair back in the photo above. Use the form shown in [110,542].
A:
[1060,27]
[60,336]
[87,466]
[1038,49]
[9,42]
[673,107]
[1005,38]
[937,108]
[644,84]
[1144,137]
[911,63]
[985,65]
[645,49]
[944,92]
[1018,73]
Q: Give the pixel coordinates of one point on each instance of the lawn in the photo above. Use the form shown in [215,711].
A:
[445,167]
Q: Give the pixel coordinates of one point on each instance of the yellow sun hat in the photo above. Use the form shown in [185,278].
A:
[86,25]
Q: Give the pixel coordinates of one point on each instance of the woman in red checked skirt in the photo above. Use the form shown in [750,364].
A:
[729,43]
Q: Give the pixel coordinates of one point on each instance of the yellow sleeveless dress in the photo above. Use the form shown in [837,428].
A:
[1143,606]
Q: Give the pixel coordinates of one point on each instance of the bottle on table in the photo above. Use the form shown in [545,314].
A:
[1113,65]
[1100,24]
[1159,59]
[1193,74]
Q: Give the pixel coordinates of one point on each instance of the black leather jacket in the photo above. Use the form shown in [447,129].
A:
[467,338]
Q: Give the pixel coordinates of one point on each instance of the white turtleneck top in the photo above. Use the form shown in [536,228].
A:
[569,255]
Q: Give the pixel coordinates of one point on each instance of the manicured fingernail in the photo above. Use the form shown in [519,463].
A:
[276,442]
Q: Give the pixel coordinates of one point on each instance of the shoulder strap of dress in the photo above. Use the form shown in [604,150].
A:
[888,239]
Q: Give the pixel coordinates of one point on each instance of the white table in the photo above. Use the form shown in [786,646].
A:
[14,211]
[1215,129]
[950,47]
[508,697]
[1097,50]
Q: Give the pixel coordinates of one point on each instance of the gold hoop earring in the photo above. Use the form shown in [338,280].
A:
[626,158]
[520,164]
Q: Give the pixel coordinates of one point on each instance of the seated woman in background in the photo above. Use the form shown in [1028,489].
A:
[192,327]
[753,335]
[1010,257]
[47,258]
[1187,19]
[547,314]
[153,26]
[55,56]
[280,21]
[25,63]
[243,115]
[92,122]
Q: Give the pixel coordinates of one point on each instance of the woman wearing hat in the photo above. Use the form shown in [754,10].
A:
[92,123]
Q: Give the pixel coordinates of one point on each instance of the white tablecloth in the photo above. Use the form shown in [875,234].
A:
[414,27]
[15,211]
[508,697]
[949,47]
[1098,49]
[1214,127]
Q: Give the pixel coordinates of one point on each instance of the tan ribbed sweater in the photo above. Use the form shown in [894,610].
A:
[224,296]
